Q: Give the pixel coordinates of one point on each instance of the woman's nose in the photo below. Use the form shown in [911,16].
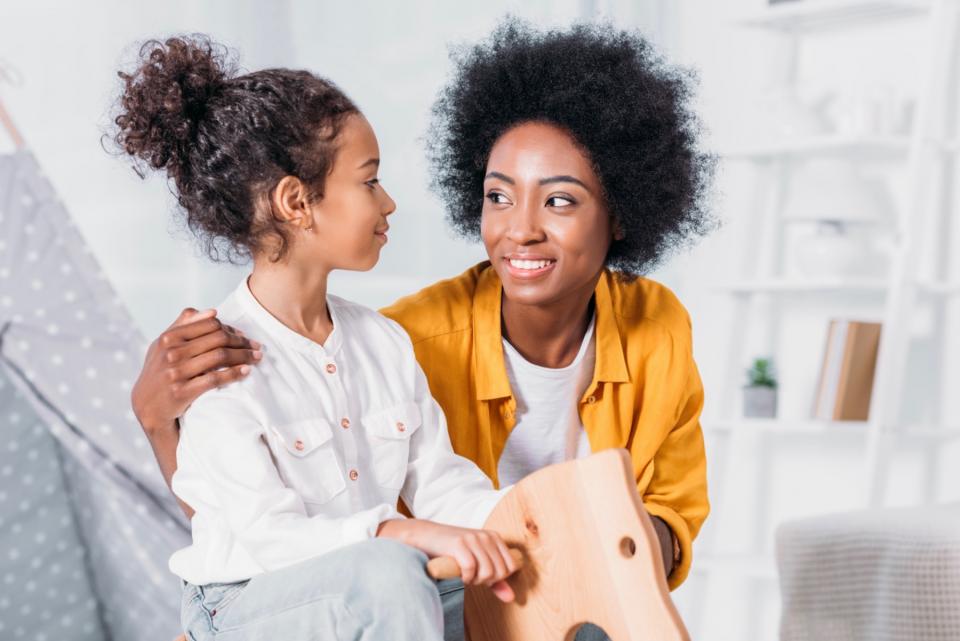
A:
[525,227]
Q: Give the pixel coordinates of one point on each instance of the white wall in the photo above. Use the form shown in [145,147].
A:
[67,55]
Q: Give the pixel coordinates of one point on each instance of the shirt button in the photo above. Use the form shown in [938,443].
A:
[354,475]
[591,399]
[298,444]
[401,427]
[331,368]
[344,423]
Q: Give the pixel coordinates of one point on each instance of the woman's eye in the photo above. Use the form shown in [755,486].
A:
[372,183]
[560,201]
[497,198]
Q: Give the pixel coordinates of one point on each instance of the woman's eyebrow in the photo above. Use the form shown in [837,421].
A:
[371,161]
[563,179]
[505,178]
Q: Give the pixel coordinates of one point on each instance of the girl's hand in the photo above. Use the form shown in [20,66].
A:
[482,555]
[195,354]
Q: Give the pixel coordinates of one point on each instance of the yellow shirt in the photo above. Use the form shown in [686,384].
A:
[645,395]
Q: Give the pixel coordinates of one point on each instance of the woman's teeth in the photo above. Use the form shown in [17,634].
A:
[529,264]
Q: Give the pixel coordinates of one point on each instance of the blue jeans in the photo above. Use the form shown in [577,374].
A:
[377,589]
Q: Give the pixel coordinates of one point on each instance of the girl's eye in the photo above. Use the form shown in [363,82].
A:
[497,198]
[372,183]
[560,201]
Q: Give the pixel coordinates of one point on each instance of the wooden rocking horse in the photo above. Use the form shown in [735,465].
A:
[589,554]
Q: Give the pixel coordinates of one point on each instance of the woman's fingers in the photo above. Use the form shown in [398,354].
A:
[218,339]
[189,314]
[193,388]
[189,330]
[214,359]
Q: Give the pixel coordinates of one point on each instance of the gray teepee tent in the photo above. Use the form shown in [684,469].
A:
[86,523]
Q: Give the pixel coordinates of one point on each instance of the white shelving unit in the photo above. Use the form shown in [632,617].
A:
[888,147]
[820,15]
[757,298]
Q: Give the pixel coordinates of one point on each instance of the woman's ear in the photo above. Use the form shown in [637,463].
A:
[618,233]
[290,203]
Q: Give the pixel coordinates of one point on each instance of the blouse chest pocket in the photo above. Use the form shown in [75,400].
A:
[390,430]
[307,459]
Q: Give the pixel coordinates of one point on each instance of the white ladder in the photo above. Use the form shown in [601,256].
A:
[930,150]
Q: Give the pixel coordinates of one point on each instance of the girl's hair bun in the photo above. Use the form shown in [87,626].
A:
[165,98]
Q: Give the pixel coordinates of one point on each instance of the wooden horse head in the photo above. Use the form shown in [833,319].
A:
[591,555]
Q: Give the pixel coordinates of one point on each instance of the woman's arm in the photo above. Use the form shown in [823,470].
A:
[666,540]
[677,492]
[195,354]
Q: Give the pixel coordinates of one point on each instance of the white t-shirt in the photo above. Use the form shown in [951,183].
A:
[311,450]
[548,428]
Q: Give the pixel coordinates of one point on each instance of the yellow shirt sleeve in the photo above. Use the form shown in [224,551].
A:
[677,490]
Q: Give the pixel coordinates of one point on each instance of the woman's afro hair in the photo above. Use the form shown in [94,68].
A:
[622,104]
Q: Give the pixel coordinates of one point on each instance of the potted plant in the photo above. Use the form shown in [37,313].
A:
[760,392]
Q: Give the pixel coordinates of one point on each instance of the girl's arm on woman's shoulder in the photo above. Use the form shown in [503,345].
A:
[195,354]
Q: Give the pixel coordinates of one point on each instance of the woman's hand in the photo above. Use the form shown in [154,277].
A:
[183,363]
[482,555]
[195,354]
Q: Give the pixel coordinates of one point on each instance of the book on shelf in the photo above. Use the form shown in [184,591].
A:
[846,376]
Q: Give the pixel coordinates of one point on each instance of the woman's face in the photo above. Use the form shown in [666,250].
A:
[544,223]
[350,221]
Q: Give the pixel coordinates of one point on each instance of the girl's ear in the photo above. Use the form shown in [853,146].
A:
[290,203]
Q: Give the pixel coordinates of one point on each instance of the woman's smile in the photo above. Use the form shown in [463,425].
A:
[528,266]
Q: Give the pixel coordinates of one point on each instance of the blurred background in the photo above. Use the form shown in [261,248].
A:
[825,314]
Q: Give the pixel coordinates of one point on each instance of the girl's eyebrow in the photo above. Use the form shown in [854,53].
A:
[371,161]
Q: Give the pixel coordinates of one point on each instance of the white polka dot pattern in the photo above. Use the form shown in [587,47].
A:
[71,350]
[43,563]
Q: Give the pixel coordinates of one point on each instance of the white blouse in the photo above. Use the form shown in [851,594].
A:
[311,450]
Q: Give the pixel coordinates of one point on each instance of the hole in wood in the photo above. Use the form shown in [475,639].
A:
[532,527]
[628,547]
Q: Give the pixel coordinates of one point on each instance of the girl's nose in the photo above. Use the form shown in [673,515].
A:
[388,205]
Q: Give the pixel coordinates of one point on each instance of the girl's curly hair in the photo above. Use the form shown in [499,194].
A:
[225,140]
[623,105]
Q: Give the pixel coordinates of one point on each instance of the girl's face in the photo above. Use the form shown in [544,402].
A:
[544,223]
[350,221]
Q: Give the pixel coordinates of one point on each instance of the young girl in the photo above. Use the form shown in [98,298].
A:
[294,473]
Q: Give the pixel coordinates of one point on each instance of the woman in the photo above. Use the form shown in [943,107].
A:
[573,157]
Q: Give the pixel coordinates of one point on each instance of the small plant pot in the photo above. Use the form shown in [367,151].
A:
[760,402]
